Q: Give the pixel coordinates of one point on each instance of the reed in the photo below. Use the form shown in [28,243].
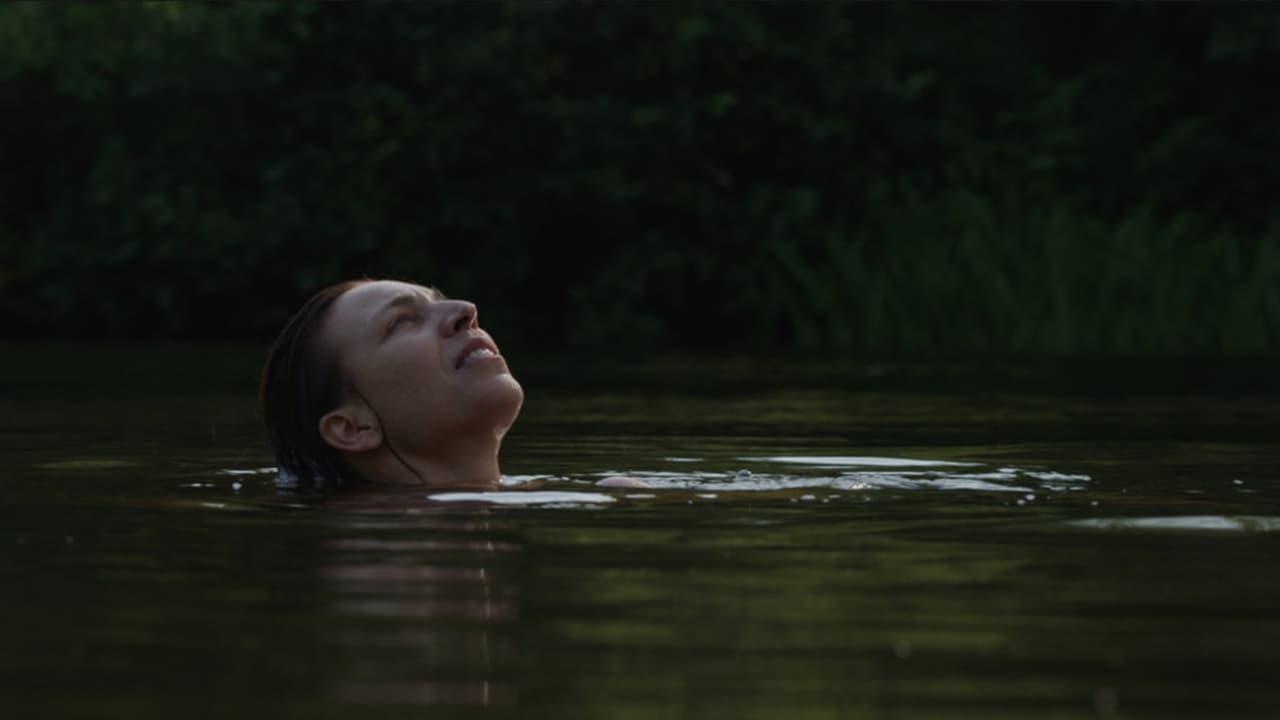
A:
[956,271]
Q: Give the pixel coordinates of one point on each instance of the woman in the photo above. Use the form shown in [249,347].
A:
[384,382]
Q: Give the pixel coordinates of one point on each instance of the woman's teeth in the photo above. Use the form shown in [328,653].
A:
[478,352]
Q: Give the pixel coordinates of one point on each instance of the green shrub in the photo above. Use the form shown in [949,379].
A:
[885,178]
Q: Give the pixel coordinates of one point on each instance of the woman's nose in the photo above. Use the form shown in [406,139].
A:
[460,315]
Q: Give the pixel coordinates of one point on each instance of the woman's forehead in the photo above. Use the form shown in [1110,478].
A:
[360,305]
[379,292]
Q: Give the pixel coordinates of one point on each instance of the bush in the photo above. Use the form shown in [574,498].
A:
[856,177]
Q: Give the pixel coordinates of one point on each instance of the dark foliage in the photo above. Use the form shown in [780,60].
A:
[1062,178]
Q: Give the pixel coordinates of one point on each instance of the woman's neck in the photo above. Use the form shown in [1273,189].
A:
[467,464]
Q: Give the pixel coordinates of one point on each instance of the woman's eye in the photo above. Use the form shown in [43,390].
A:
[400,321]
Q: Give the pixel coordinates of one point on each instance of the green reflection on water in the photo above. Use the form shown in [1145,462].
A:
[141,583]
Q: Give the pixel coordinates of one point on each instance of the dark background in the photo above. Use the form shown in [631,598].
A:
[885,179]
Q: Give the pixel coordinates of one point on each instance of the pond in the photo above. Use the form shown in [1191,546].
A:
[824,540]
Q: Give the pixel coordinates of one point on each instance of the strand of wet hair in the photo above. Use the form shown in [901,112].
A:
[386,436]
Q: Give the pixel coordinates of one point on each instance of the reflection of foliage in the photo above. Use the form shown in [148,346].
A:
[817,601]
[858,177]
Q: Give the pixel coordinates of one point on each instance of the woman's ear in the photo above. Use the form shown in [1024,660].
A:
[350,429]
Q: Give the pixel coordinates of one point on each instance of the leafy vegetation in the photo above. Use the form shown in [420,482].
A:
[882,178]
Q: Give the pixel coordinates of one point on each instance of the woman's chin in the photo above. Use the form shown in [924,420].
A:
[515,400]
[500,402]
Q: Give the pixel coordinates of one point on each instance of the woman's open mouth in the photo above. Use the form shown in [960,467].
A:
[478,350]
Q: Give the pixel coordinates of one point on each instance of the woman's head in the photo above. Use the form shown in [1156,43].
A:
[388,382]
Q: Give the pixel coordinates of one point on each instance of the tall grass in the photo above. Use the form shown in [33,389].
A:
[955,271]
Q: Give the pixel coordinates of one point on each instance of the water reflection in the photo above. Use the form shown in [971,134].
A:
[1094,555]
[425,608]
[1238,523]
[772,474]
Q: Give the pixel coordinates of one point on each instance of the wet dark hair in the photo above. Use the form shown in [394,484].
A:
[301,381]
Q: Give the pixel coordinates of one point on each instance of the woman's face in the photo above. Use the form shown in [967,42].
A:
[424,366]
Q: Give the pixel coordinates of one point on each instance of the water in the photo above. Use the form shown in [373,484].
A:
[819,543]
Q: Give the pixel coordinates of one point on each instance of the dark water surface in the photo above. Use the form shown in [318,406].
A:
[822,542]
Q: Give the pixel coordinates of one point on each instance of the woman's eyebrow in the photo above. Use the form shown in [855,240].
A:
[404,299]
